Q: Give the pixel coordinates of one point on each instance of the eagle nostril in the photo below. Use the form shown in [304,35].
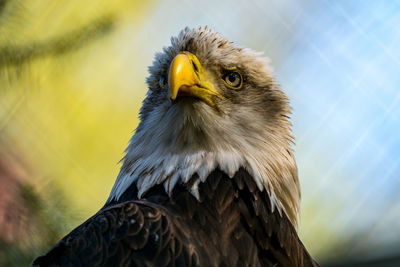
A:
[196,69]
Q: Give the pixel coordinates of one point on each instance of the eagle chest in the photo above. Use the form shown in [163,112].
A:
[226,226]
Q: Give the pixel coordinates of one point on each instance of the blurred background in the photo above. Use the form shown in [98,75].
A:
[72,78]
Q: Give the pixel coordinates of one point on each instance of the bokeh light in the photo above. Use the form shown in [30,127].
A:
[72,78]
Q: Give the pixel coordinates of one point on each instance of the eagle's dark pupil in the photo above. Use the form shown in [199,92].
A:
[232,77]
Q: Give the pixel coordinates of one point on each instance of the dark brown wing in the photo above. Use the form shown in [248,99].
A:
[247,232]
[231,225]
[127,234]
[276,237]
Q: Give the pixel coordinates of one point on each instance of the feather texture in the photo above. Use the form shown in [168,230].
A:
[232,226]
[248,129]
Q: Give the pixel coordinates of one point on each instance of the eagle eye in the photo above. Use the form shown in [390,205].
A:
[232,79]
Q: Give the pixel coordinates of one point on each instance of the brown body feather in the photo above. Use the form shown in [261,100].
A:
[232,225]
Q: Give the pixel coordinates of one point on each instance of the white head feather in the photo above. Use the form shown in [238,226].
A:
[250,129]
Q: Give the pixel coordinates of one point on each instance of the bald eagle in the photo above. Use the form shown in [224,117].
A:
[209,177]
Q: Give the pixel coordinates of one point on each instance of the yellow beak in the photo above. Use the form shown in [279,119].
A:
[186,77]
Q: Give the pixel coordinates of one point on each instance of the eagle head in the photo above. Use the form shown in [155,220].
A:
[212,104]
